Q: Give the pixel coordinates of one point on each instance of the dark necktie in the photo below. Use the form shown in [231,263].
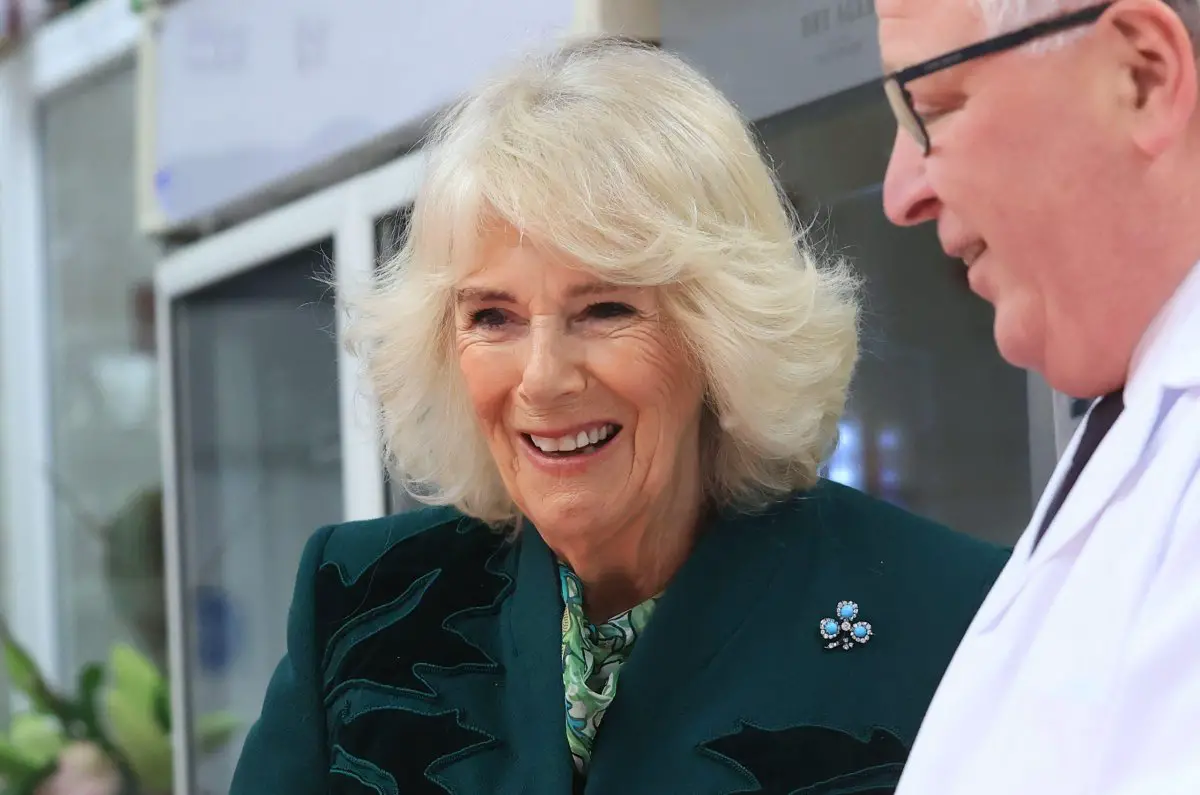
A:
[1105,413]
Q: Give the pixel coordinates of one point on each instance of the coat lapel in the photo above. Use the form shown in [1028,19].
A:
[535,631]
[720,586]
[1165,359]
[704,605]
[1101,480]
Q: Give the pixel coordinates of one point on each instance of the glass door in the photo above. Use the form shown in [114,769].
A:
[937,421]
[5,539]
[270,435]
[259,469]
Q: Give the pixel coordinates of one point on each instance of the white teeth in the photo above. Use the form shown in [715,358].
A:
[572,443]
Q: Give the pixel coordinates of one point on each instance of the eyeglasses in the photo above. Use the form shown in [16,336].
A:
[894,84]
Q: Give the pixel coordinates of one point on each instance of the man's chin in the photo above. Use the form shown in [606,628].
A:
[1018,344]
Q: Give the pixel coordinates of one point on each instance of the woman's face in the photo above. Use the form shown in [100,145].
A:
[590,407]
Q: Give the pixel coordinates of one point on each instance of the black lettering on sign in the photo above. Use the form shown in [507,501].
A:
[814,23]
[854,10]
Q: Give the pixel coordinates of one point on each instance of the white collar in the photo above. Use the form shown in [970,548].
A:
[1168,355]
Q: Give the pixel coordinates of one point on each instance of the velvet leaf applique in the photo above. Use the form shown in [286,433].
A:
[813,760]
[395,639]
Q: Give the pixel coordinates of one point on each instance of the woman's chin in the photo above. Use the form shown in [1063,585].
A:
[568,513]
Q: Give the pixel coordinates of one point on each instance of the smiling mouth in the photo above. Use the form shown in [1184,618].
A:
[582,443]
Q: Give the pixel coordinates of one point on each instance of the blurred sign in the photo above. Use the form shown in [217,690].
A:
[770,56]
[247,98]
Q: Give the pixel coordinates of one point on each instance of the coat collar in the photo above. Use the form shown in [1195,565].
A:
[1166,358]
[1164,361]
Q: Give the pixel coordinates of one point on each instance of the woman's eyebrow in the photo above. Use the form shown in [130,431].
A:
[480,294]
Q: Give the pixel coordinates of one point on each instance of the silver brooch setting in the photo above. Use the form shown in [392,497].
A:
[845,631]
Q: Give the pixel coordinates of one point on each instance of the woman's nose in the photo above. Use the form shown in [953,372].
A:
[552,368]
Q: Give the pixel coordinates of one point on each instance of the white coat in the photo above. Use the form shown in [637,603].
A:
[1081,671]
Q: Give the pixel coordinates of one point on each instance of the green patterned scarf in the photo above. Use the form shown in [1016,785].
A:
[592,657]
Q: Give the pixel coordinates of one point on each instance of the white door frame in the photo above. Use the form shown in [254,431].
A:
[81,44]
[347,213]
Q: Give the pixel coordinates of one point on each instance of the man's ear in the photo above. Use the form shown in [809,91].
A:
[1157,70]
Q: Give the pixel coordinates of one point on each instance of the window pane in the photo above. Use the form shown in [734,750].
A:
[389,236]
[5,708]
[259,462]
[937,421]
[106,469]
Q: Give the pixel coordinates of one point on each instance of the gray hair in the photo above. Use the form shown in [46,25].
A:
[1001,16]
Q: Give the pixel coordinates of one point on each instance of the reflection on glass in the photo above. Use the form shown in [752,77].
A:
[105,415]
[389,237]
[259,462]
[890,465]
[936,422]
[846,464]
[870,460]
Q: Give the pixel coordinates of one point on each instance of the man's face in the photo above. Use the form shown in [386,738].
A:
[1024,180]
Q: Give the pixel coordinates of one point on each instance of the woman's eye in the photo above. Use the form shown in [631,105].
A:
[488,318]
[608,310]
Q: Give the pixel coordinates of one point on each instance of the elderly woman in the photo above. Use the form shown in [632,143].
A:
[607,364]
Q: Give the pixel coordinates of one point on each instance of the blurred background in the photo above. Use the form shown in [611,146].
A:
[176,416]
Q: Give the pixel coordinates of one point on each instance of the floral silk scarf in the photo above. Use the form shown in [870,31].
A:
[592,657]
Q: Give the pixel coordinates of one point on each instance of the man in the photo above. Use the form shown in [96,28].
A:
[1056,146]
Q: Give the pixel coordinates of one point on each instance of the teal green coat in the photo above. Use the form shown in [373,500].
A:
[424,657]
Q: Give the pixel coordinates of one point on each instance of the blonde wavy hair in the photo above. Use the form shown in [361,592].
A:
[625,158]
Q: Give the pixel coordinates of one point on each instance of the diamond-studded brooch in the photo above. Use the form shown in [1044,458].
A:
[844,631]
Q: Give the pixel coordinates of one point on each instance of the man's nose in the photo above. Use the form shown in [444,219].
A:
[553,369]
[908,198]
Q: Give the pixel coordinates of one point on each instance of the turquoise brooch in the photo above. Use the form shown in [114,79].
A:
[844,631]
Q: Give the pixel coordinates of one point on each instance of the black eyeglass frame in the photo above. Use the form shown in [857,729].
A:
[895,87]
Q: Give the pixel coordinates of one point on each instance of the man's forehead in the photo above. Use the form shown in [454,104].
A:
[910,31]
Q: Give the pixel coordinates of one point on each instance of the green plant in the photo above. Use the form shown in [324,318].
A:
[121,708]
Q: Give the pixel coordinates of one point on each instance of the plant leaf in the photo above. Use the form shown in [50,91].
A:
[38,738]
[15,765]
[28,783]
[91,678]
[135,677]
[162,707]
[22,670]
[138,737]
[25,677]
[215,729]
